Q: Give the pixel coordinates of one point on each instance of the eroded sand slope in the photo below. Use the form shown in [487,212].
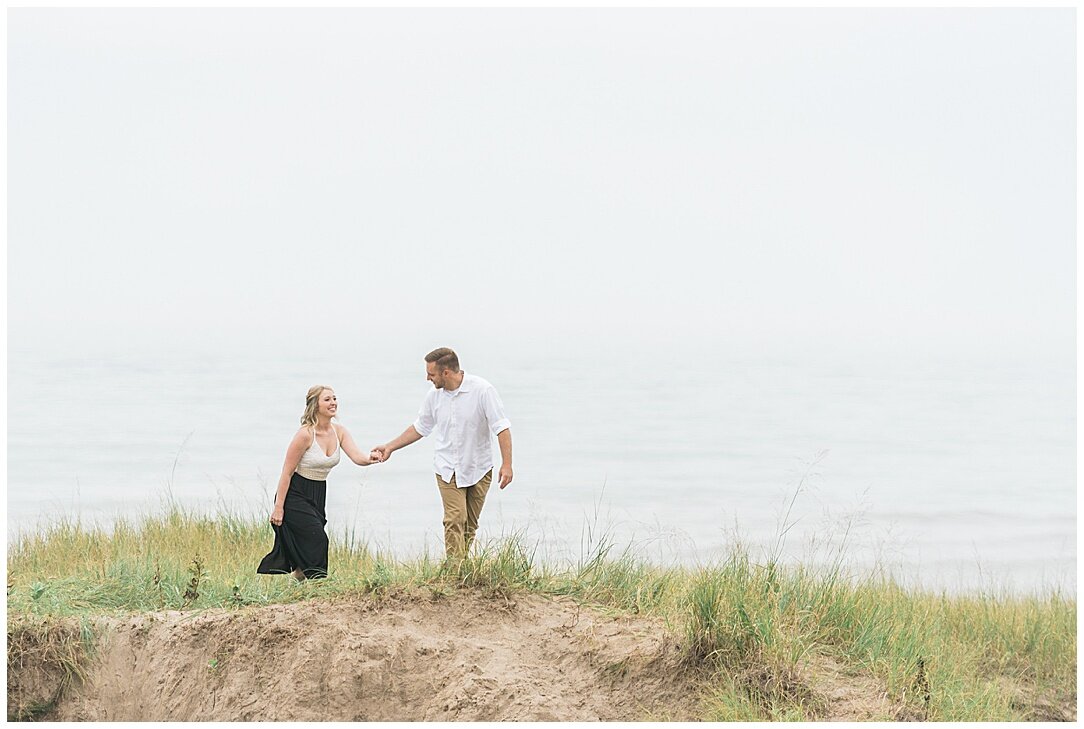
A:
[405,656]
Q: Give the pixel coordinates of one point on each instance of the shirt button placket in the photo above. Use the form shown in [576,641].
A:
[451,433]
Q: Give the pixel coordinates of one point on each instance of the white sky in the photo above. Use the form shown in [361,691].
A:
[849,178]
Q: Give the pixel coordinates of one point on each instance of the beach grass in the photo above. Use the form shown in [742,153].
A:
[770,637]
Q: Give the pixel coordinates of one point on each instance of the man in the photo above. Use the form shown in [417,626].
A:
[463,413]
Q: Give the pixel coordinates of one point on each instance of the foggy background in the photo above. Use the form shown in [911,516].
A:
[695,251]
[795,181]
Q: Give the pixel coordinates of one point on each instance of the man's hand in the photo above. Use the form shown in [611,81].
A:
[380,453]
[505,475]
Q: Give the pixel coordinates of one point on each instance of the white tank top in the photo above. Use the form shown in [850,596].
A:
[314,463]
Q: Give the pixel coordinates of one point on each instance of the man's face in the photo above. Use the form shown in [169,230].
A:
[435,375]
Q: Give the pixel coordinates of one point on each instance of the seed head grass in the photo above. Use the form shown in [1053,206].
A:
[759,630]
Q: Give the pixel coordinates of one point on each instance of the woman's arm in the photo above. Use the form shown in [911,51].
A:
[294,451]
[350,448]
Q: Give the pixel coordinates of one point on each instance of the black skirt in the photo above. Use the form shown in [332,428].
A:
[300,541]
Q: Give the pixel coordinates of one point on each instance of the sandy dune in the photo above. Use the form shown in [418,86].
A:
[406,656]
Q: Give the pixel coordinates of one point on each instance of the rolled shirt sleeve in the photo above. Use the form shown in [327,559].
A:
[494,409]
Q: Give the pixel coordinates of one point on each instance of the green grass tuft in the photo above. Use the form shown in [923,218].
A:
[763,631]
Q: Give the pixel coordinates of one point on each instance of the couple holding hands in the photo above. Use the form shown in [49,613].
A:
[462,412]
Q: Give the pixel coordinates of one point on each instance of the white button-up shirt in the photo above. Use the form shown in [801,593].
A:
[463,423]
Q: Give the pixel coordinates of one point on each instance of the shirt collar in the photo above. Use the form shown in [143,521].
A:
[464,386]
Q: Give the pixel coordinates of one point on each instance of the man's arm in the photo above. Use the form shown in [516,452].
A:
[504,440]
[498,423]
[417,430]
[408,436]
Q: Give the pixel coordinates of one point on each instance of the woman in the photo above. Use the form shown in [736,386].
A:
[298,517]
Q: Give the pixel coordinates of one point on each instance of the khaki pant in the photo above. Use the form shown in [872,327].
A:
[462,508]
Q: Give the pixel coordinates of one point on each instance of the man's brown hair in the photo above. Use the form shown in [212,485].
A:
[444,358]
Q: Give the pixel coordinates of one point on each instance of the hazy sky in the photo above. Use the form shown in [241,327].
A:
[869,178]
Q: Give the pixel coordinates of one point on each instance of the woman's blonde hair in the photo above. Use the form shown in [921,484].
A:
[312,404]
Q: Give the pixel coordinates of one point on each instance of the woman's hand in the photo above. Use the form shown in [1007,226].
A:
[355,454]
[276,515]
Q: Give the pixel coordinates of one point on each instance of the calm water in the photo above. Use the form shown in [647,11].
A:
[952,476]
